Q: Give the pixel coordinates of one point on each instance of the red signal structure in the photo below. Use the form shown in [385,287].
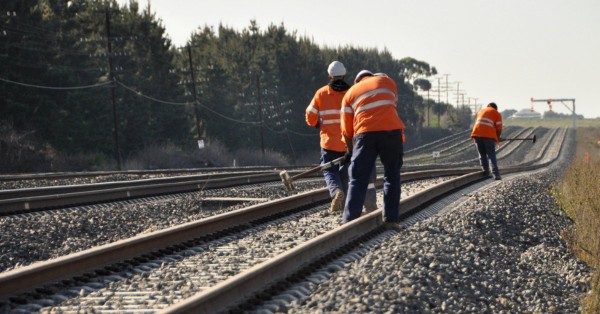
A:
[562,100]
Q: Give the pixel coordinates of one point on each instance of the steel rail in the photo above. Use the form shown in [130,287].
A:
[74,264]
[457,147]
[67,175]
[501,153]
[259,277]
[52,197]
[548,141]
[436,143]
[19,200]
[63,189]
[23,200]
[246,284]
[37,274]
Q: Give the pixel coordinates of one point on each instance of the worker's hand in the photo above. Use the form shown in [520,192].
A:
[347,158]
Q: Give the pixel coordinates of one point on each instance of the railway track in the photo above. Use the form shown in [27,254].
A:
[19,181]
[101,278]
[103,176]
[505,154]
[454,145]
[24,200]
[48,197]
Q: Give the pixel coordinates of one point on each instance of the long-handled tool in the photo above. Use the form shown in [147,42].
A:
[288,181]
[533,139]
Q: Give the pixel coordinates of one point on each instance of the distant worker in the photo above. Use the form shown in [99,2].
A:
[371,127]
[486,134]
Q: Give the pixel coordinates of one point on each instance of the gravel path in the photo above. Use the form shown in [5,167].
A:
[498,251]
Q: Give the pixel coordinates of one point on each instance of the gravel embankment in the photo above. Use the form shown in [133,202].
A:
[500,251]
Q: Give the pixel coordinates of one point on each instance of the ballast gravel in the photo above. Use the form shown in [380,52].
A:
[500,251]
[28,238]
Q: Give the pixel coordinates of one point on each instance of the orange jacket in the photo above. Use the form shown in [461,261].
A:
[370,105]
[488,124]
[325,110]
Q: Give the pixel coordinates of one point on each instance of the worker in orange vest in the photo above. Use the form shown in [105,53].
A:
[486,134]
[323,112]
[371,127]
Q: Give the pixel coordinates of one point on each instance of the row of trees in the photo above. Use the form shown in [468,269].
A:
[76,71]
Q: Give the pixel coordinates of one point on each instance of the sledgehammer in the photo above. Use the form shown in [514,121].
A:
[532,139]
[288,181]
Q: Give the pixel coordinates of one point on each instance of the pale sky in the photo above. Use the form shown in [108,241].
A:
[505,51]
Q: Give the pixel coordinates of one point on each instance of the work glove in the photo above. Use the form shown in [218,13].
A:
[347,158]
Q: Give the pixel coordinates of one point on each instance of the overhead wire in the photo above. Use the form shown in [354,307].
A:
[188,103]
[301,134]
[55,87]
[138,93]
[285,130]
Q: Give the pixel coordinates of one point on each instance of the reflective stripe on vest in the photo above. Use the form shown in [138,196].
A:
[331,121]
[371,93]
[485,121]
[333,113]
[313,109]
[376,104]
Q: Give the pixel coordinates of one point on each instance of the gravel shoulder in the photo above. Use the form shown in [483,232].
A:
[498,251]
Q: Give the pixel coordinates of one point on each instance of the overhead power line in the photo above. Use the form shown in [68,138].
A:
[54,87]
[186,103]
[152,98]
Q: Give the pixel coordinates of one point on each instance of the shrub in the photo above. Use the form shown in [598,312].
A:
[170,156]
[82,162]
[20,151]
[254,157]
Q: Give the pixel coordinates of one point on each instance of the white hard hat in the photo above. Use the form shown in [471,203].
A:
[362,74]
[336,68]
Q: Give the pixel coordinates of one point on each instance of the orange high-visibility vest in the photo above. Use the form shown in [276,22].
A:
[325,109]
[487,124]
[370,105]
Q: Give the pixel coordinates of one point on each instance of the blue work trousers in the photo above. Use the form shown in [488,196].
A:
[336,177]
[486,147]
[371,196]
[367,146]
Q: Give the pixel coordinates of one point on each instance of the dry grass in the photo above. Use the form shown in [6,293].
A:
[578,195]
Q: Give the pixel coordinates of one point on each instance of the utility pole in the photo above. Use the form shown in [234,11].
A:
[112,89]
[438,103]
[260,116]
[189,50]
[428,109]
[447,89]
[457,94]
